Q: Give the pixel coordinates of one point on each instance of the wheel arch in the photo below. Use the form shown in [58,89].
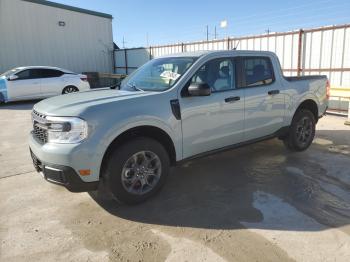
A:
[310,105]
[149,131]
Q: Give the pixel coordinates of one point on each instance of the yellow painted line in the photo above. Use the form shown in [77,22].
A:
[340,88]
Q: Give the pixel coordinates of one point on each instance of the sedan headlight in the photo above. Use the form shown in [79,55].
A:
[66,130]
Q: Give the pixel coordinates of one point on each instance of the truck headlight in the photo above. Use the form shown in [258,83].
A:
[66,130]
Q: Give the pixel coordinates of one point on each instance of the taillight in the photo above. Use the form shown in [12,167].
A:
[328,89]
[84,78]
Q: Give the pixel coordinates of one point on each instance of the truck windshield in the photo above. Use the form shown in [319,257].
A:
[158,74]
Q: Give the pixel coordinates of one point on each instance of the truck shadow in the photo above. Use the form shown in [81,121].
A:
[261,185]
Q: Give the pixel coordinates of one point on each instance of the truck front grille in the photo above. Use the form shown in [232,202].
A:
[40,133]
[39,127]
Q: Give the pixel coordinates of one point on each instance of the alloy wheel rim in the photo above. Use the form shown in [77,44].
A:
[70,90]
[141,172]
[304,130]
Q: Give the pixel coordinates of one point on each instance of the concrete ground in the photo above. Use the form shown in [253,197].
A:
[257,203]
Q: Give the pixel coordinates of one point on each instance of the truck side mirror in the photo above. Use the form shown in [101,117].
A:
[202,89]
[12,77]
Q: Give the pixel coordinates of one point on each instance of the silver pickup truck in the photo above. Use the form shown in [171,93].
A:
[170,110]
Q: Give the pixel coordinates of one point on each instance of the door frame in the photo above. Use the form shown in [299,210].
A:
[184,95]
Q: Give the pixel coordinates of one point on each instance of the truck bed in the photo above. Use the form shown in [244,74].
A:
[299,78]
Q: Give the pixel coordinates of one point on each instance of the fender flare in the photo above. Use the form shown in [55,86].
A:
[296,104]
[122,128]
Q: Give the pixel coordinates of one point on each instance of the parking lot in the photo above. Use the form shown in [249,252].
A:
[255,203]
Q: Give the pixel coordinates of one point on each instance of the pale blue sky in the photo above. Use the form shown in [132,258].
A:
[180,21]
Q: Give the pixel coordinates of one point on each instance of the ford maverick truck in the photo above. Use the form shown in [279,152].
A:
[171,109]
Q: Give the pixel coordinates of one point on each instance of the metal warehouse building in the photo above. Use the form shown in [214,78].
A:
[37,32]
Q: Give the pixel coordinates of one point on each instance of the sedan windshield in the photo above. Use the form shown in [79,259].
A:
[10,72]
[158,74]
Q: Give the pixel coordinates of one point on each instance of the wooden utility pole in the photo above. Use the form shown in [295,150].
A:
[123,42]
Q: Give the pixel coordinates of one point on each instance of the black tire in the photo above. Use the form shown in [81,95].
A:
[301,132]
[69,89]
[117,161]
[2,99]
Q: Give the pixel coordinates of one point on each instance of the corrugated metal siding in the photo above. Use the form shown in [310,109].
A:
[30,35]
[322,51]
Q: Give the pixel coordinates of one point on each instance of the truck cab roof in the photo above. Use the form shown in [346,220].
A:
[218,52]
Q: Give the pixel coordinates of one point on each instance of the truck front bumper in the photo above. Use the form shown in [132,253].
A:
[60,164]
[62,175]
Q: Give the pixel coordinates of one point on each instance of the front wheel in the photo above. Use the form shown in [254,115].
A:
[69,89]
[137,170]
[301,131]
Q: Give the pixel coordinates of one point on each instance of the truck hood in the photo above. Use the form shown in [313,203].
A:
[76,103]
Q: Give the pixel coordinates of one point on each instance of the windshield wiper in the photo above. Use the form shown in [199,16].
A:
[133,86]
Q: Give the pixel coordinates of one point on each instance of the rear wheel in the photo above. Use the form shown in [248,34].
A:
[137,170]
[69,89]
[301,131]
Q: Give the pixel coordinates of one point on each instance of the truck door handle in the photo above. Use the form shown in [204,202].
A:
[232,99]
[273,92]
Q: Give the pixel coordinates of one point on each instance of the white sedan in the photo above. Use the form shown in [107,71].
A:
[35,82]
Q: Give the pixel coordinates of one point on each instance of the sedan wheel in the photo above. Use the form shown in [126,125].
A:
[69,89]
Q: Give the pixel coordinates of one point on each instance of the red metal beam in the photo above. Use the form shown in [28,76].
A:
[318,69]
[300,46]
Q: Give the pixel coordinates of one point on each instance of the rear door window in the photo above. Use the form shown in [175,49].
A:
[257,71]
[49,73]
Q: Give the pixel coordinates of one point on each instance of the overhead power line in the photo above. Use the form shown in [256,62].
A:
[328,14]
